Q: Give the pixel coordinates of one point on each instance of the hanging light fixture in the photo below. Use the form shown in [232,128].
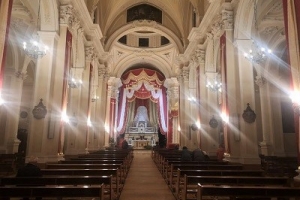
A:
[74,81]
[257,53]
[33,48]
[216,86]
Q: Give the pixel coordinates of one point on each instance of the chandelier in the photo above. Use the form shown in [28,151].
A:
[215,86]
[257,54]
[33,48]
[74,83]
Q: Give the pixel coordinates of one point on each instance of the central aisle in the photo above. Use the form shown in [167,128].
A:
[144,181]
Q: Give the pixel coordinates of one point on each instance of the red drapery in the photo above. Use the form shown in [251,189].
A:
[5,7]
[68,50]
[143,85]
[286,24]
[224,90]
[89,105]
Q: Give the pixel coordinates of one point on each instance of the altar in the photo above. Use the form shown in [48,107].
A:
[140,144]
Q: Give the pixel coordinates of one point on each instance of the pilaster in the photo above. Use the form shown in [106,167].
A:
[246,153]
[39,128]
[16,83]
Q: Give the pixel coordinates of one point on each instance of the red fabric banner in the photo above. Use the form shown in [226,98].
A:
[224,105]
[68,50]
[3,7]
[143,85]
[286,25]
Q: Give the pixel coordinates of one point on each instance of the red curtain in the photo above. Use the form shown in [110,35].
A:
[297,15]
[6,7]
[224,89]
[141,83]
[68,50]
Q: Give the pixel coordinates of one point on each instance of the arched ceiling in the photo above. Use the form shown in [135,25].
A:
[175,29]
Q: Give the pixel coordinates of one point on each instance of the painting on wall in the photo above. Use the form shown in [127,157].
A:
[144,11]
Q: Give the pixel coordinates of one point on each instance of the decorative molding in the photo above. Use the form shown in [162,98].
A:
[65,13]
[260,81]
[89,53]
[270,30]
[102,73]
[185,74]
[227,18]
[200,54]
[21,75]
[18,23]
[47,15]
[141,23]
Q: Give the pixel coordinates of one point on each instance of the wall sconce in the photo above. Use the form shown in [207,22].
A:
[213,123]
[249,115]
[225,118]
[95,98]
[65,118]
[192,99]
[73,83]
[295,97]
[216,86]
[194,127]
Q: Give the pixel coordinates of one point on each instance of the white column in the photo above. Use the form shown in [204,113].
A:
[15,93]
[102,104]
[246,153]
[38,128]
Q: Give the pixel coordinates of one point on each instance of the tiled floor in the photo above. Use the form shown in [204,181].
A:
[144,181]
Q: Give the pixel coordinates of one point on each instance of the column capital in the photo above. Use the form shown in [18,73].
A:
[200,53]
[227,16]
[21,75]
[65,13]
[185,73]
[89,53]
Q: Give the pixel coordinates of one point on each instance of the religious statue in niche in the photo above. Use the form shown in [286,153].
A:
[141,117]
[249,115]
[144,12]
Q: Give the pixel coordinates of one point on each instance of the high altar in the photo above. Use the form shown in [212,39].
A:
[142,107]
[142,132]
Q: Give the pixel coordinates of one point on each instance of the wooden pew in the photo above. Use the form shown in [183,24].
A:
[63,181]
[124,166]
[189,185]
[52,191]
[121,174]
[169,174]
[166,166]
[86,172]
[126,160]
[179,178]
[257,192]
[7,162]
